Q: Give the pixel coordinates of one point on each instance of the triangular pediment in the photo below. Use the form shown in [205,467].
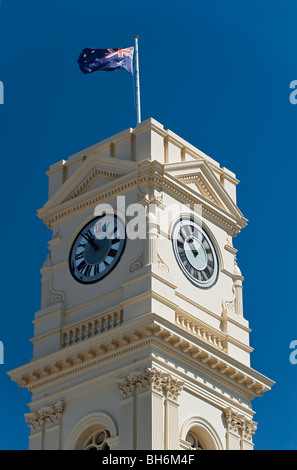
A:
[90,176]
[96,178]
[197,182]
[201,179]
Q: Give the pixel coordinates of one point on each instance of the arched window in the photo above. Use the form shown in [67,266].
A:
[198,434]
[97,440]
[194,442]
[95,431]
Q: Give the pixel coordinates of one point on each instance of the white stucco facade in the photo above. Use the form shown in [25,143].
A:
[143,357]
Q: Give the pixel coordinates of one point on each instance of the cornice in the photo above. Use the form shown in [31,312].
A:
[197,354]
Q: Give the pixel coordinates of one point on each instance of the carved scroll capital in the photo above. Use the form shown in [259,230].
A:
[150,379]
[239,424]
[45,418]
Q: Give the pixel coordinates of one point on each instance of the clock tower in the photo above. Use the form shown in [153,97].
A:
[141,341]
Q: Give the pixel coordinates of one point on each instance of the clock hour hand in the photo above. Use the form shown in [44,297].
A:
[192,246]
[90,239]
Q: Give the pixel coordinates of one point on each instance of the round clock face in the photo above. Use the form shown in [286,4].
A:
[195,252]
[97,249]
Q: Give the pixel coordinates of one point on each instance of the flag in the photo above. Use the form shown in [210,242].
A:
[91,60]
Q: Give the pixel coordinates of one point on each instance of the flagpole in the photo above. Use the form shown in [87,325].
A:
[137,81]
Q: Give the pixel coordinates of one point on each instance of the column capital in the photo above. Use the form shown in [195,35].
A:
[240,424]
[153,379]
[45,417]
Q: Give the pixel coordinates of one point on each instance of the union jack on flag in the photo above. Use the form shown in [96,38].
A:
[120,52]
[91,60]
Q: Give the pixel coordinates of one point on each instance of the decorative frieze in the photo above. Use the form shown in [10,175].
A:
[45,418]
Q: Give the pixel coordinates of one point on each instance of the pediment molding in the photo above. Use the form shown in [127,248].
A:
[85,177]
[87,182]
[203,187]
[200,175]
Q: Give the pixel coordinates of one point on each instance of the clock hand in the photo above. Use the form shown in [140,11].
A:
[91,240]
[192,246]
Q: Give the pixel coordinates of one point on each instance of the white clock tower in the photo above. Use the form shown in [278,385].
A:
[141,340]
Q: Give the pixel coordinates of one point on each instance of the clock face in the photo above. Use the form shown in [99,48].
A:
[97,249]
[195,252]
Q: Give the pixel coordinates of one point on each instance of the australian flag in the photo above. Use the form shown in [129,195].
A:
[91,60]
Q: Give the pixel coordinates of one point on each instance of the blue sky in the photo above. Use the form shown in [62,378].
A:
[215,72]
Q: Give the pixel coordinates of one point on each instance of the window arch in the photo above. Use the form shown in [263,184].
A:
[95,431]
[198,434]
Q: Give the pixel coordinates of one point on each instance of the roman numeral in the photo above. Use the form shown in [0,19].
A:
[88,270]
[88,235]
[180,244]
[210,263]
[81,266]
[187,265]
[96,269]
[207,272]
[204,276]
[112,252]
[79,256]
[183,257]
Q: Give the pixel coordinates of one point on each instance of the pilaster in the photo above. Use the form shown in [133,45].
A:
[239,430]
[149,410]
[45,425]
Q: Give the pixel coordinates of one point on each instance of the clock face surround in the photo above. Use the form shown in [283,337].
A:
[97,249]
[195,252]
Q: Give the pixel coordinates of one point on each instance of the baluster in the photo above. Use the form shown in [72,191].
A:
[77,334]
[103,322]
[70,333]
[115,319]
